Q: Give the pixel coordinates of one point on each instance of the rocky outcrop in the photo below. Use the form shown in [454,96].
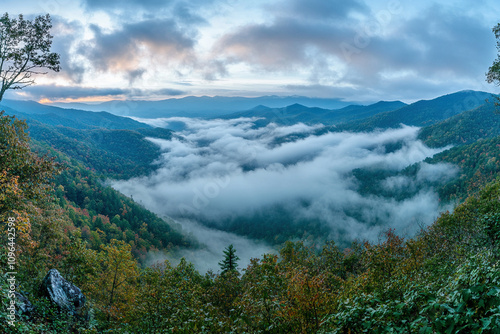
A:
[64,294]
[24,306]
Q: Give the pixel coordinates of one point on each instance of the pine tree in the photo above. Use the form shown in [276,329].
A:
[230,260]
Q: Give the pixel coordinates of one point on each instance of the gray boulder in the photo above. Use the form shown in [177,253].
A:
[23,304]
[64,294]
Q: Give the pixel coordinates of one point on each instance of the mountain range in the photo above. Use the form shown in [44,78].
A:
[202,106]
[297,113]
[116,145]
[93,234]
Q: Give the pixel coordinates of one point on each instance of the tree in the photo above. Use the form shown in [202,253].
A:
[25,51]
[114,285]
[24,177]
[493,75]
[230,260]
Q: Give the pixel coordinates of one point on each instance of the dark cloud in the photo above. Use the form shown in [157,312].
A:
[159,41]
[444,41]
[38,92]
[164,91]
[97,4]
[66,37]
[435,46]
[187,15]
[54,92]
[281,45]
[320,9]
[133,75]
[185,12]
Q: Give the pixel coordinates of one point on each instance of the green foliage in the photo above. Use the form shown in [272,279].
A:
[492,227]
[493,75]
[464,128]
[478,165]
[112,153]
[469,301]
[102,214]
[444,280]
[171,300]
[25,176]
[113,285]
[422,113]
[25,51]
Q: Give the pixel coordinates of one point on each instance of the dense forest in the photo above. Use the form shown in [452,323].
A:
[444,279]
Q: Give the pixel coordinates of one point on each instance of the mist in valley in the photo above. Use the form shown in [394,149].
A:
[230,181]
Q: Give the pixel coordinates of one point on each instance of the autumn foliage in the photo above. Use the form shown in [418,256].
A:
[446,279]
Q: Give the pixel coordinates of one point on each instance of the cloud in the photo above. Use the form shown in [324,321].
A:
[213,242]
[281,45]
[356,48]
[93,4]
[318,9]
[55,92]
[137,47]
[151,5]
[66,38]
[228,174]
[438,43]
[184,13]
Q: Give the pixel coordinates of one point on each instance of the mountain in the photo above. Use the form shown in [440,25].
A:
[204,106]
[297,113]
[104,243]
[464,128]
[421,113]
[74,118]
[354,112]
[113,153]
[291,114]
[111,145]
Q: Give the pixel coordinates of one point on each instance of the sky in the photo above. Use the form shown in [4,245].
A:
[354,50]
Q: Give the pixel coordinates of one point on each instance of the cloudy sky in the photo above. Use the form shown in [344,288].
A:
[358,50]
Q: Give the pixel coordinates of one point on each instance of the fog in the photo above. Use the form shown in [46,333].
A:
[216,172]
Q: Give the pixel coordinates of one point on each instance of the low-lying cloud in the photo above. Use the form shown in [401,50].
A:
[223,173]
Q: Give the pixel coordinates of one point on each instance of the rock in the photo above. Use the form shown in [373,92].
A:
[23,304]
[64,294]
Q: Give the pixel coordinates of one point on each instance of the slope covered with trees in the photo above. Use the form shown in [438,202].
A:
[298,113]
[443,279]
[464,128]
[421,113]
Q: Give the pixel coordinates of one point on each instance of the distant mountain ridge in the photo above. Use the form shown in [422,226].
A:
[421,113]
[74,118]
[296,113]
[204,106]
[110,144]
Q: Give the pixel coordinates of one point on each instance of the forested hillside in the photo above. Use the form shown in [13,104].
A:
[297,113]
[421,113]
[445,279]
[102,241]
[464,128]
